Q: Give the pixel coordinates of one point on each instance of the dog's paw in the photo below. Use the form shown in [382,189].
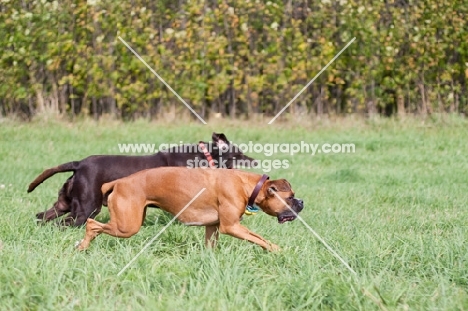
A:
[79,246]
[274,248]
[40,222]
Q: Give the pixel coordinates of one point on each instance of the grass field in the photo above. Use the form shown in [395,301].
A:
[395,210]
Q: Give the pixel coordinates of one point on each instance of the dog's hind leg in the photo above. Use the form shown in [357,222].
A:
[81,214]
[86,204]
[93,229]
[71,219]
[144,216]
[96,207]
[126,218]
[61,207]
[211,235]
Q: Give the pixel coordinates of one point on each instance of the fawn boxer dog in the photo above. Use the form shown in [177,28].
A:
[81,195]
[218,207]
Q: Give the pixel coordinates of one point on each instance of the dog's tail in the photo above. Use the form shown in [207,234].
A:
[106,190]
[108,187]
[66,167]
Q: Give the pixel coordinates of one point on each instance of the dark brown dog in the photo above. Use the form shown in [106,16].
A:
[81,195]
[219,207]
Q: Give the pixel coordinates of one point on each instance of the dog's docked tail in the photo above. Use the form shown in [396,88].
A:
[66,167]
[107,188]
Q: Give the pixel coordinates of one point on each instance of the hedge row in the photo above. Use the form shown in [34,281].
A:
[234,58]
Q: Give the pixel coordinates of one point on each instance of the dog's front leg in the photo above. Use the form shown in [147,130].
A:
[211,235]
[241,232]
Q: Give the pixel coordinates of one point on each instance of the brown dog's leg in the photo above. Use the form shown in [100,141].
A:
[86,204]
[211,235]
[93,229]
[144,216]
[126,218]
[241,232]
[119,230]
[61,207]
[70,219]
[55,211]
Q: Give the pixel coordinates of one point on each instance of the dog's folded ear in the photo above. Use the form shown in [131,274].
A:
[278,185]
[219,139]
[272,189]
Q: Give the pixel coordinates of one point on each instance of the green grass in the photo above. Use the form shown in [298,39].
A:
[395,210]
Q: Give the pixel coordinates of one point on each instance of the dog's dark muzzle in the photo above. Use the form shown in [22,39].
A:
[299,205]
[295,206]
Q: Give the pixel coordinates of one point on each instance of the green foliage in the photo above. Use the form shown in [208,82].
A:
[233,57]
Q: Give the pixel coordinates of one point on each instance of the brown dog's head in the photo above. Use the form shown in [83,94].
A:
[269,200]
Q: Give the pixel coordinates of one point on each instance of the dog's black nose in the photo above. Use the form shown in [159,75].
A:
[300,205]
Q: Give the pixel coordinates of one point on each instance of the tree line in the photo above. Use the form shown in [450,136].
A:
[233,58]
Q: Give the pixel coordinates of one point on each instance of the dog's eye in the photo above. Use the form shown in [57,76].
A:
[291,197]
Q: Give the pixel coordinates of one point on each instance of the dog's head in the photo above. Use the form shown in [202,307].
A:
[276,198]
[229,155]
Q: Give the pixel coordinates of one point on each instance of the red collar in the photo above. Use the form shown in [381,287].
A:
[207,154]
